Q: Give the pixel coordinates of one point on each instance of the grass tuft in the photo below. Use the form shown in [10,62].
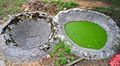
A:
[61,50]
[61,5]
[10,6]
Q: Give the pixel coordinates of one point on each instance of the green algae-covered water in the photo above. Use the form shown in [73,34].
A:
[86,34]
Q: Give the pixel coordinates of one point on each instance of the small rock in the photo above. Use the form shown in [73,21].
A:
[68,61]
[62,37]
[89,8]
[65,9]
[48,56]
[83,7]
[75,65]
[2,63]
[52,64]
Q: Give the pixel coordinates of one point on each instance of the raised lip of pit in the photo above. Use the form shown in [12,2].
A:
[85,47]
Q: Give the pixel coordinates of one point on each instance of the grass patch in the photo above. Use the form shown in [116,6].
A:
[10,6]
[61,4]
[86,34]
[62,50]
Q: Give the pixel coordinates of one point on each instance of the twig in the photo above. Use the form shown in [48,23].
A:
[69,64]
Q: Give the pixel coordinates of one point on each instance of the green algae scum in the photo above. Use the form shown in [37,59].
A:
[86,34]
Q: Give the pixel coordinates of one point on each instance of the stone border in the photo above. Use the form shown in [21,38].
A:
[15,53]
[104,21]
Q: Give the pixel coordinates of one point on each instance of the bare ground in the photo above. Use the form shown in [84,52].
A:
[90,4]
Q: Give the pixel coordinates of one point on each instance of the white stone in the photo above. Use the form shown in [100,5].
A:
[2,63]
[48,56]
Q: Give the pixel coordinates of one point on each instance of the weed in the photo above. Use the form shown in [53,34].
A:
[56,63]
[61,54]
[61,50]
[67,49]
[72,59]
[63,60]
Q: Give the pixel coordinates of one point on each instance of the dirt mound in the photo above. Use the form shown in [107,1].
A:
[35,5]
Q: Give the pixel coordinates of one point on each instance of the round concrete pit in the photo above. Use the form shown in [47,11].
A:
[27,36]
[112,31]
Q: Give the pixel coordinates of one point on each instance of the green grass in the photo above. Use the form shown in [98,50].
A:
[65,49]
[61,50]
[61,4]
[56,63]
[86,34]
[8,7]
